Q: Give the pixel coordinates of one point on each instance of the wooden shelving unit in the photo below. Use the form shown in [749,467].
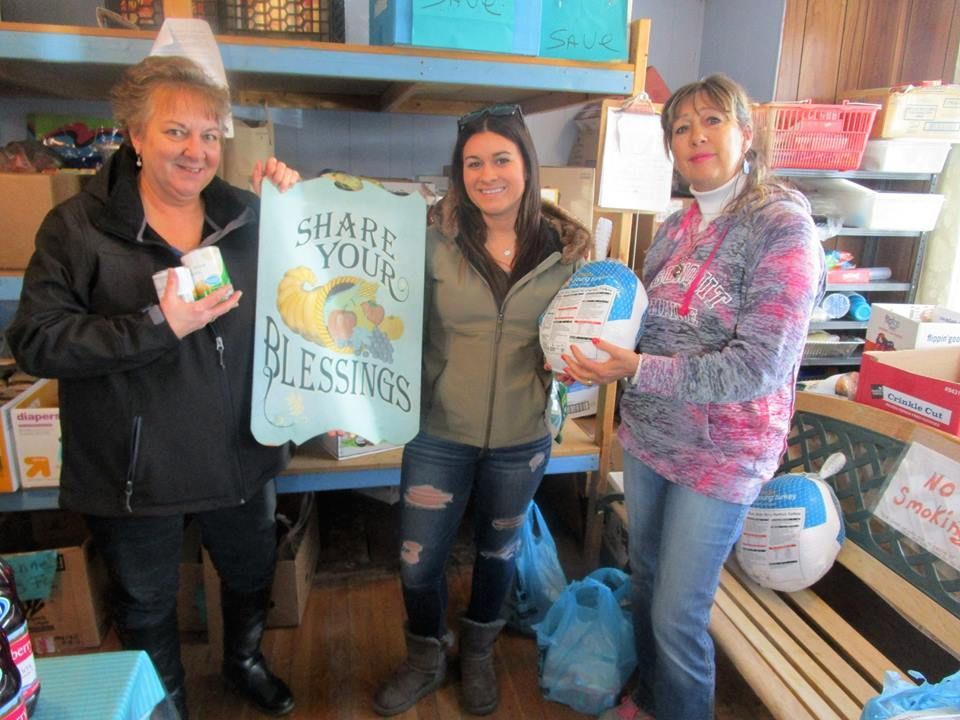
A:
[83,63]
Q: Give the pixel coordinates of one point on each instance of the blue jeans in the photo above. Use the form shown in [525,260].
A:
[437,479]
[679,540]
[142,555]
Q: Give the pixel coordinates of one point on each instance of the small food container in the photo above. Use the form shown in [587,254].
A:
[208,271]
[184,283]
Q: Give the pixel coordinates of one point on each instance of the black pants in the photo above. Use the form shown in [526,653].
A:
[143,555]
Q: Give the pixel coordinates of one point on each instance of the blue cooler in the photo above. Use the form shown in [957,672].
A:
[460,26]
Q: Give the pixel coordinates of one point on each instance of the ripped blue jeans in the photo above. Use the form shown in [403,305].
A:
[437,479]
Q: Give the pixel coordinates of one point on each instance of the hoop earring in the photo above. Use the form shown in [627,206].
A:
[139,160]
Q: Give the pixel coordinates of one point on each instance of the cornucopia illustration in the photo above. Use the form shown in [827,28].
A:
[342,315]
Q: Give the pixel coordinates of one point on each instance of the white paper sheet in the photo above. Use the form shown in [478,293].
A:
[636,173]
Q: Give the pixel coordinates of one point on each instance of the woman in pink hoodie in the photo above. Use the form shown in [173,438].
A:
[731,283]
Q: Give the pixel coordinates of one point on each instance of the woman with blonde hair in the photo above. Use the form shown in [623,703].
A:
[155,392]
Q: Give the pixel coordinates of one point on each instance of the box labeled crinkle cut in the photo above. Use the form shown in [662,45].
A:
[909,327]
[923,385]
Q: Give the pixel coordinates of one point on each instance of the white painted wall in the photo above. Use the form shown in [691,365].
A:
[742,38]
[675,35]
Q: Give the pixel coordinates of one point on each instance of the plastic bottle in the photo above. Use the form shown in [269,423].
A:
[11,700]
[859,307]
[13,623]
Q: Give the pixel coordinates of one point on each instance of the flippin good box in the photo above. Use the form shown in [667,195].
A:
[923,385]
[462,26]
[911,327]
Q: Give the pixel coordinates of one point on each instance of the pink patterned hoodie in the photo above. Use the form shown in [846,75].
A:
[729,306]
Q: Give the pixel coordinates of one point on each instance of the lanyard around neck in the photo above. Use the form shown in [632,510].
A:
[694,212]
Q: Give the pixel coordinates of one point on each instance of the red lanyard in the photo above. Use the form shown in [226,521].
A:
[693,212]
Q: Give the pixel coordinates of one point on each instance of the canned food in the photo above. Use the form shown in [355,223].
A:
[208,271]
[185,287]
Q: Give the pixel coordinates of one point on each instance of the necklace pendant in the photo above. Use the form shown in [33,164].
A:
[508,253]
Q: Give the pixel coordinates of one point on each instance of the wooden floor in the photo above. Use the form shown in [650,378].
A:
[350,639]
[351,635]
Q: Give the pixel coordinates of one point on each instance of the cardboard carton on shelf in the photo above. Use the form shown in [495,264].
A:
[73,616]
[25,200]
[923,385]
[35,419]
[927,110]
[909,327]
[297,553]
[348,447]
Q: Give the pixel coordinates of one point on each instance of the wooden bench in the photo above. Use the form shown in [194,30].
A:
[804,660]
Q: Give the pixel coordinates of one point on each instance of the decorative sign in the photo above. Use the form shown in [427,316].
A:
[34,573]
[339,312]
[468,24]
[922,500]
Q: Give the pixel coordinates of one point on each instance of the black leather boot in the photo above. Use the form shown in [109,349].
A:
[244,667]
[162,643]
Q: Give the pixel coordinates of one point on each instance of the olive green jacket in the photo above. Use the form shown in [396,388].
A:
[483,378]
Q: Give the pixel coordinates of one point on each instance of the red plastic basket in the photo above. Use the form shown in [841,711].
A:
[816,137]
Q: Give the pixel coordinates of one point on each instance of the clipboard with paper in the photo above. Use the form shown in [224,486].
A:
[635,173]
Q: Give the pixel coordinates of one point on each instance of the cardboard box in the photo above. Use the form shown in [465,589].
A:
[348,447]
[35,418]
[298,551]
[9,468]
[585,30]
[614,538]
[74,615]
[191,601]
[25,199]
[926,111]
[910,327]
[923,385]
[582,400]
[575,186]
[391,23]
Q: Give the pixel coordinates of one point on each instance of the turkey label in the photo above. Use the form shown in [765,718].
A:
[339,312]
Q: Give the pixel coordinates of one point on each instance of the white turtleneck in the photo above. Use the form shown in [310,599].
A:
[713,202]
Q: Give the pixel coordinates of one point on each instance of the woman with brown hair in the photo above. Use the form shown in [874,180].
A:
[496,256]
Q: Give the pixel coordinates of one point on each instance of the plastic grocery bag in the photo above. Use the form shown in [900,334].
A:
[539,579]
[902,700]
[586,643]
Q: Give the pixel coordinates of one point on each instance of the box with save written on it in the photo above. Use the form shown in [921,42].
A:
[36,430]
[923,385]
[910,327]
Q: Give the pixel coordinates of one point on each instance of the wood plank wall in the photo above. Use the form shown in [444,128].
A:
[835,45]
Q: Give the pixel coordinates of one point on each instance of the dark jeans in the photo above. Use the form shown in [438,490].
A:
[142,555]
[436,482]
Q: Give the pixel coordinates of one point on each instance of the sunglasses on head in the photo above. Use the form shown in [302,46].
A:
[490,111]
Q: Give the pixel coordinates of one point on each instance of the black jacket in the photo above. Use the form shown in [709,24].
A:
[150,424]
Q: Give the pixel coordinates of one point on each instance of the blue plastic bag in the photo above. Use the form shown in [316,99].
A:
[586,646]
[539,579]
[900,698]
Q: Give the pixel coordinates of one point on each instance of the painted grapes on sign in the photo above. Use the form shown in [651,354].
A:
[339,312]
